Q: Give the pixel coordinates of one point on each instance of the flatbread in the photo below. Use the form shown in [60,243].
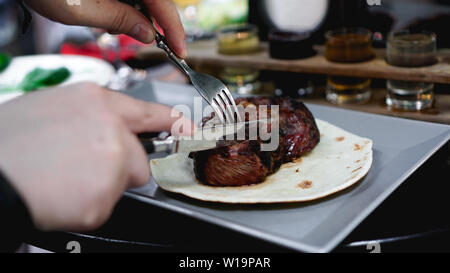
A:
[340,160]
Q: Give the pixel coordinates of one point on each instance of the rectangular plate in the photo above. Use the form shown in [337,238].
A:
[400,147]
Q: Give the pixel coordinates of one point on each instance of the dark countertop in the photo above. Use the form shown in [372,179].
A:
[413,219]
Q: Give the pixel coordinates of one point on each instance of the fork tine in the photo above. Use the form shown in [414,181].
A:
[233,104]
[229,111]
[217,111]
[222,107]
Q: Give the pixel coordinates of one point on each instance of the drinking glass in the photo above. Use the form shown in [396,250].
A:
[348,45]
[410,49]
[238,39]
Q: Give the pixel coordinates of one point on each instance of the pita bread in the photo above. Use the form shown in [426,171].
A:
[340,160]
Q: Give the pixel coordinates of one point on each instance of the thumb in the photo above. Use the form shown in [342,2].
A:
[117,17]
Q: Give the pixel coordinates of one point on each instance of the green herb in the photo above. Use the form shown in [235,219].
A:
[41,78]
[5,60]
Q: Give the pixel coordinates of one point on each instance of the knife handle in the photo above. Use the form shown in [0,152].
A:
[156,145]
[149,147]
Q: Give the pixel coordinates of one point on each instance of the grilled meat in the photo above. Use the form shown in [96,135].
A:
[244,163]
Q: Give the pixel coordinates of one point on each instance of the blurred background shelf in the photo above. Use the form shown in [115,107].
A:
[440,113]
[205,53]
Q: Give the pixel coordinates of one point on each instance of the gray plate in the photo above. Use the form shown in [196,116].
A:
[400,147]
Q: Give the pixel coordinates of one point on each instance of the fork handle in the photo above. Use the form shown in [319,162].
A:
[161,41]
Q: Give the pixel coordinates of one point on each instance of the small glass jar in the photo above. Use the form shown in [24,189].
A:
[290,45]
[292,84]
[410,49]
[242,81]
[238,39]
[348,45]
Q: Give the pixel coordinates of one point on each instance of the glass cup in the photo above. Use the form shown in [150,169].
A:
[348,45]
[410,49]
[292,84]
[234,40]
[238,39]
[244,81]
[341,90]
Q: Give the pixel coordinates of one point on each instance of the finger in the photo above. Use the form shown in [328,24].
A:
[167,17]
[116,17]
[141,116]
[138,167]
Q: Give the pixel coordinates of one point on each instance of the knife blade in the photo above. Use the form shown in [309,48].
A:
[205,139]
[173,145]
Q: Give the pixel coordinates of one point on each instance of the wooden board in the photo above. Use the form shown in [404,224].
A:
[440,113]
[205,53]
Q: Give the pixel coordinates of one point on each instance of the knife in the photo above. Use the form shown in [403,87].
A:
[207,138]
[173,145]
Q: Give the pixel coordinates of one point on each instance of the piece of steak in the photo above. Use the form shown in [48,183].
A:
[244,163]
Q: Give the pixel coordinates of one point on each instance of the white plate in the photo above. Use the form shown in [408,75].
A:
[82,69]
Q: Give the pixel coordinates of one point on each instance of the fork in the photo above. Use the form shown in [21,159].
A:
[210,88]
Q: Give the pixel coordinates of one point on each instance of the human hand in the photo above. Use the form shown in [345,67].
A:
[117,17]
[70,152]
